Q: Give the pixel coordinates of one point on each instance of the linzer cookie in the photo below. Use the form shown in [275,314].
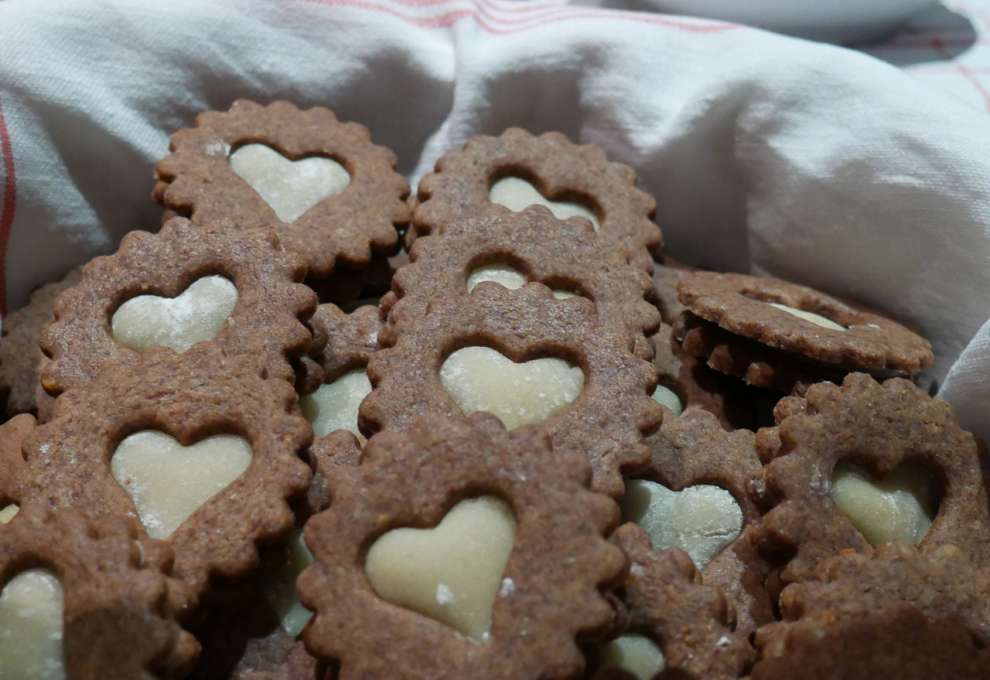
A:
[237,290]
[698,493]
[12,436]
[20,353]
[530,359]
[902,613]
[793,325]
[198,447]
[866,464]
[79,600]
[517,169]
[479,545]
[511,249]
[666,277]
[332,194]
[673,624]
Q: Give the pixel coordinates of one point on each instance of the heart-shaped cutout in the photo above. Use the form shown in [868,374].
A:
[510,278]
[451,573]
[635,654]
[31,627]
[816,319]
[334,406]
[517,194]
[484,379]
[898,508]
[700,520]
[168,481]
[178,323]
[290,188]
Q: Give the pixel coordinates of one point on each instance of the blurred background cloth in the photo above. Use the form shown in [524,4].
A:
[767,154]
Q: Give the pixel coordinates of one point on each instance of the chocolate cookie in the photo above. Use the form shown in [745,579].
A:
[516,169]
[200,423]
[534,360]
[20,353]
[518,540]
[512,248]
[803,323]
[331,194]
[12,436]
[663,598]
[87,602]
[836,442]
[235,289]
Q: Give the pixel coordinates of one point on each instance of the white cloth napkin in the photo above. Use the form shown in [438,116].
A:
[765,153]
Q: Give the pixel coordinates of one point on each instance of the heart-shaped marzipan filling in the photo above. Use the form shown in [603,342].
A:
[290,188]
[816,319]
[169,481]
[31,627]
[178,323]
[483,379]
[700,520]
[899,507]
[334,406]
[506,276]
[280,585]
[517,194]
[452,572]
[635,654]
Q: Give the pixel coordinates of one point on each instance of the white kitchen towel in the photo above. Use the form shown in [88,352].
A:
[766,154]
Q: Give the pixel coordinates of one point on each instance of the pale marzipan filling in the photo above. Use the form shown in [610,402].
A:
[667,397]
[506,276]
[178,323]
[334,406]
[517,194]
[451,573]
[280,590]
[635,654]
[168,482]
[483,379]
[898,508]
[290,188]
[31,627]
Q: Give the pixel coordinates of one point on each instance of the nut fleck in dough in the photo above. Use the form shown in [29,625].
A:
[700,520]
[637,655]
[452,572]
[289,187]
[169,482]
[280,590]
[31,627]
[816,319]
[334,406]
[178,323]
[483,379]
[900,507]
[517,194]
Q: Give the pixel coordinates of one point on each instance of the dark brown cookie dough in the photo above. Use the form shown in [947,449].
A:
[693,624]
[666,276]
[12,436]
[562,255]
[606,422]
[189,396]
[20,353]
[559,169]
[740,304]
[878,427]
[550,588]
[196,181]
[115,622]
[344,341]
[265,327]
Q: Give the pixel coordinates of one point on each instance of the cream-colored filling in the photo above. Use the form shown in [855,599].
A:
[483,379]
[7,513]
[334,406]
[816,319]
[635,654]
[31,627]
[700,520]
[451,573]
[168,481]
[196,315]
[506,276]
[667,397]
[517,194]
[280,589]
[289,187]
[899,507]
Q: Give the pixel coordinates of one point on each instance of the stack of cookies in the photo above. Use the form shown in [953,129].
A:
[314,428]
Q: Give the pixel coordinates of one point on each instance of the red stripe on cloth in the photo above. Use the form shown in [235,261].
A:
[9,205]
[939,46]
